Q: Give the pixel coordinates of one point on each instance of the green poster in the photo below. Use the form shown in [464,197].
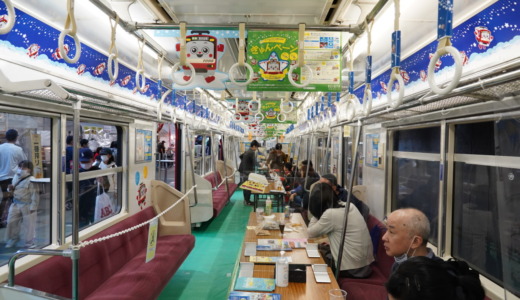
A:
[271,53]
[270,110]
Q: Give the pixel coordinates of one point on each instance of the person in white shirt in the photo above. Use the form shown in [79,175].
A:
[327,219]
[107,162]
[10,156]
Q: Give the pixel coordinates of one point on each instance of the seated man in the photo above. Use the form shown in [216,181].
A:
[342,195]
[327,219]
[408,230]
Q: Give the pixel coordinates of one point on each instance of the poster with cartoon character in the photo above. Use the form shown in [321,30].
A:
[202,52]
[272,53]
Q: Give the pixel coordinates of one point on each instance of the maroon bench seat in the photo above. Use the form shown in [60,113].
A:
[372,287]
[220,194]
[115,268]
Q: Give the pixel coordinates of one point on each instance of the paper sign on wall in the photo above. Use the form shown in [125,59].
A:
[152,240]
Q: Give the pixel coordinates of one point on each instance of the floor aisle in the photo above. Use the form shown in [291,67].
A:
[206,273]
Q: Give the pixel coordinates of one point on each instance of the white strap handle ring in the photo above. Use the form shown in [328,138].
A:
[232,77]
[176,66]
[113,74]
[281,118]
[352,107]
[11,17]
[367,101]
[286,103]
[309,78]
[61,47]
[456,77]
[393,77]
[252,104]
[259,117]
[139,74]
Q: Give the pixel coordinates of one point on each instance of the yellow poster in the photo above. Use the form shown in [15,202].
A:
[36,156]
[152,240]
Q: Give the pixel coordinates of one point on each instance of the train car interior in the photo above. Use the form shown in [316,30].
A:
[132,120]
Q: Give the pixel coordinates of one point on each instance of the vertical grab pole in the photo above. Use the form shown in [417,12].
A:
[347,205]
[75,201]
[327,151]
[225,167]
[190,155]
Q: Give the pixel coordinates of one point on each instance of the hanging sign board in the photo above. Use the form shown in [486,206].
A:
[271,53]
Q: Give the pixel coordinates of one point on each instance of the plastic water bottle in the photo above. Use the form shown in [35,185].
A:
[282,272]
[268,207]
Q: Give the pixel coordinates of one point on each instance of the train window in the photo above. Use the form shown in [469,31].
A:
[426,140]
[486,199]
[99,151]
[415,173]
[25,213]
[165,156]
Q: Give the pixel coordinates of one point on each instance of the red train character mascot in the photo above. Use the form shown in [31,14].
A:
[483,37]
[202,52]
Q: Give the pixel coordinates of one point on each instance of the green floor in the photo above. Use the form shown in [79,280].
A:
[207,272]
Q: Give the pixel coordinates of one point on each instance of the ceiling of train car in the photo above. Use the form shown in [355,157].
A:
[417,22]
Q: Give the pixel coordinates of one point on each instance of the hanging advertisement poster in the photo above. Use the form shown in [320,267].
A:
[270,110]
[143,145]
[271,53]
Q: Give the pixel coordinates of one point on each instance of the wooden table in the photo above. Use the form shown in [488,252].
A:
[294,291]
[298,256]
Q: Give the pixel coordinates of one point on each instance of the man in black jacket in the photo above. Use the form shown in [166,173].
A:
[247,165]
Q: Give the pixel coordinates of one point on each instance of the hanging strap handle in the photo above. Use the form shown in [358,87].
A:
[241,58]
[11,17]
[444,33]
[301,61]
[112,51]
[139,74]
[70,29]
[183,61]
[395,74]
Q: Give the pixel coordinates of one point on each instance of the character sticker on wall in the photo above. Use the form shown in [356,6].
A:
[483,36]
[202,52]
[141,195]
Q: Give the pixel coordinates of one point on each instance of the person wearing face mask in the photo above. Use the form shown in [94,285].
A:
[408,230]
[87,188]
[107,162]
[22,213]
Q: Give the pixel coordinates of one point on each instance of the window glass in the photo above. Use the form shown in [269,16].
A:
[25,211]
[99,195]
[165,157]
[486,225]
[426,140]
[415,183]
[489,138]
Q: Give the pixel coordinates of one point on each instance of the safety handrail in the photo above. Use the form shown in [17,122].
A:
[11,17]
[112,51]
[69,29]
[241,58]
[183,61]
[395,74]
[444,32]
[301,61]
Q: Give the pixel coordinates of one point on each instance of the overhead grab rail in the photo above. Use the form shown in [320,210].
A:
[112,51]
[444,33]
[395,74]
[139,73]
[11,17]
[241,58]
[70,29]
[367,95]
[183,61]
[301,61]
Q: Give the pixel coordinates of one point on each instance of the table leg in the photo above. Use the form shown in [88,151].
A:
[255,202]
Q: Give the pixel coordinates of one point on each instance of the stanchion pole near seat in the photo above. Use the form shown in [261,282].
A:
[444,33]
[367,95]
[396,62]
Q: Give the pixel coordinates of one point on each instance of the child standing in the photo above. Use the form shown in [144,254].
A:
[23,210]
